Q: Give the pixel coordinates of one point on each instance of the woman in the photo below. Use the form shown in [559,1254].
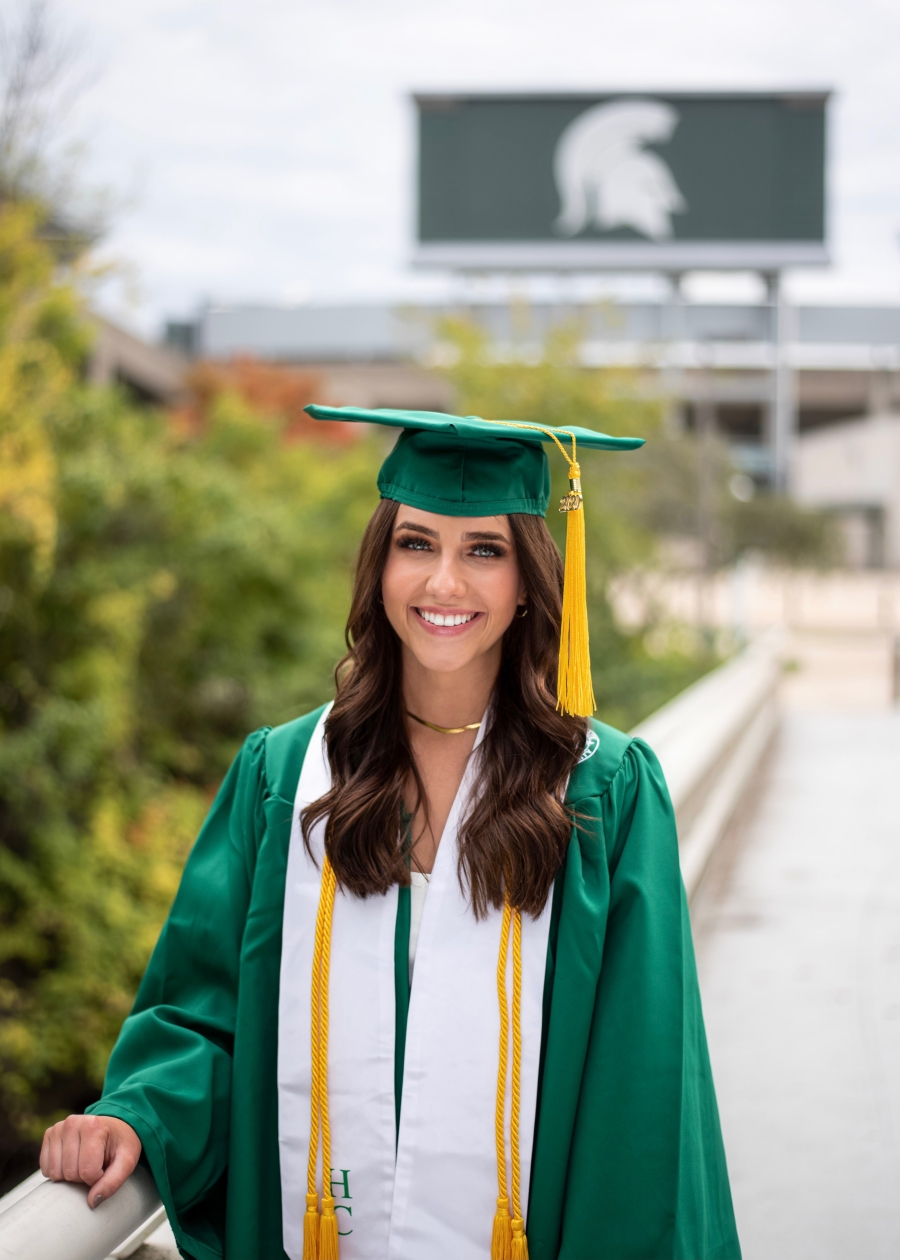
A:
[432,939]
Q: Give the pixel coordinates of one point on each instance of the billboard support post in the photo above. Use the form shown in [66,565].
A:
[783,418]
[673,334]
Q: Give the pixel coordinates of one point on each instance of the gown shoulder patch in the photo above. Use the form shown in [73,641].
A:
[604,750]
[591,744]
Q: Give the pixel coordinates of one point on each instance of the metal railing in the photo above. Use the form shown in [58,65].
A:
[710,741]
[51,1220]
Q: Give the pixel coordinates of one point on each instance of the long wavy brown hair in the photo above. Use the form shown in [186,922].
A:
[514,838]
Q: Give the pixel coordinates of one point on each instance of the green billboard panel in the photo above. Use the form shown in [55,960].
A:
[670,180]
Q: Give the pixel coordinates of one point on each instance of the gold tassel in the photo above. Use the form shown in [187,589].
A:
[501,1239]
[574,688]
[328,1236]
[311,1228]
[519,1241]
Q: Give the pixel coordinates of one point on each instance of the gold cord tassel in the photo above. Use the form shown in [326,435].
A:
[574,689]
[311,1228]
[519,1241]
[501,1238]
[328,1237]
[508,1241]
[320,1231]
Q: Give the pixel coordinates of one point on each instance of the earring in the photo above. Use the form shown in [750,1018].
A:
[523,612]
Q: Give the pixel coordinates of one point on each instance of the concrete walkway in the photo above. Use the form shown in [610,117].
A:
[798,935]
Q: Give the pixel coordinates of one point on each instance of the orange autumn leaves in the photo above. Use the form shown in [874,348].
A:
[275,392]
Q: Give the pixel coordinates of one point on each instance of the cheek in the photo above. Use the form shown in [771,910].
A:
[500,592]
[397,583]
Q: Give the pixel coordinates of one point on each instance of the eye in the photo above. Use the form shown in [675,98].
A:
[413,542]
[488,551]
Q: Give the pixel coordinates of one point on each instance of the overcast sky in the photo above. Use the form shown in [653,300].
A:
[262,149]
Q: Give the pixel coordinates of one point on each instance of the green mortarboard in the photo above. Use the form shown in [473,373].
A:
[468,466]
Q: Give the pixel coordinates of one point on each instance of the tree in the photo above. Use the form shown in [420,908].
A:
[43,71]
[164,589]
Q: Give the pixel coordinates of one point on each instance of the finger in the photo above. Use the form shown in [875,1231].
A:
[54,1153]
[71,1147]
[47,1152]
[123,1165]
[92,1154]
[44,1161]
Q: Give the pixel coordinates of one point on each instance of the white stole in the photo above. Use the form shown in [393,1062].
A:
[433,1192]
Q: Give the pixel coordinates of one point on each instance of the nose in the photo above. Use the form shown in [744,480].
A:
[445,581]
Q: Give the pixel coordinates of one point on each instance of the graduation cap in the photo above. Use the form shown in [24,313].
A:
[468,466]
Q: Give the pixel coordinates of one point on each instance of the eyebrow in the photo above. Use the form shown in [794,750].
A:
[418,529]
[472,536]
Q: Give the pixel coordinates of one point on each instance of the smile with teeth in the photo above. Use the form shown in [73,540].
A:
[445,619]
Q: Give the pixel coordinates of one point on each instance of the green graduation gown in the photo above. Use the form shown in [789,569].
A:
[628,1160]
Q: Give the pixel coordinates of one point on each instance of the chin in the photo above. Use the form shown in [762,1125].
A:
[441,660]
[442,664]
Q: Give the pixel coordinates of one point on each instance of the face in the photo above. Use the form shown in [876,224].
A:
[451,586]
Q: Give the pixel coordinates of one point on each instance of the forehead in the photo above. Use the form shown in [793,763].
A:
[450,527]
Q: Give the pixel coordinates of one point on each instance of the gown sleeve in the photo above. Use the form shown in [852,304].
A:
[169,1075]
[633,1159]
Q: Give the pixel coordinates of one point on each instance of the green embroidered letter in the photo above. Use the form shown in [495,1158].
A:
[343,1181]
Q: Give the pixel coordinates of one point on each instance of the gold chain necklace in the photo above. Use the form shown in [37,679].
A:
[444,730]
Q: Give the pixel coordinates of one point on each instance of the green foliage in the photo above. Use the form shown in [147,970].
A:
[41,343]
[193,594]
[775,526]
[196,589]
[161,594]
[766,523]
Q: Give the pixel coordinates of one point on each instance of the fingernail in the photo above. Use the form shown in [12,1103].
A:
[98,1199]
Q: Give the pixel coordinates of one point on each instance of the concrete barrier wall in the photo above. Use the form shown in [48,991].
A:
[710,740]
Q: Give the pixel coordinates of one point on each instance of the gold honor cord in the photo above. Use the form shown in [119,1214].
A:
[508,1240]
[320,1231]
[574,687]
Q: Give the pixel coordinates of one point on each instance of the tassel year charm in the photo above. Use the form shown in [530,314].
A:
[574,500]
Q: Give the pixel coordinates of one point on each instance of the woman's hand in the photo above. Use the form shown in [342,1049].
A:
[101,1151]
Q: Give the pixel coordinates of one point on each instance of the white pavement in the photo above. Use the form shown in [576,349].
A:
[798,935]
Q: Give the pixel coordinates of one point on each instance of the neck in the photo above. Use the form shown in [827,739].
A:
[449,699]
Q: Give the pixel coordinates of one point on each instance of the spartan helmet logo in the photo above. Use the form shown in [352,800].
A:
[606,178]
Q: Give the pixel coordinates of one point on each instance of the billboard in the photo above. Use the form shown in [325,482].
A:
[629,181]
